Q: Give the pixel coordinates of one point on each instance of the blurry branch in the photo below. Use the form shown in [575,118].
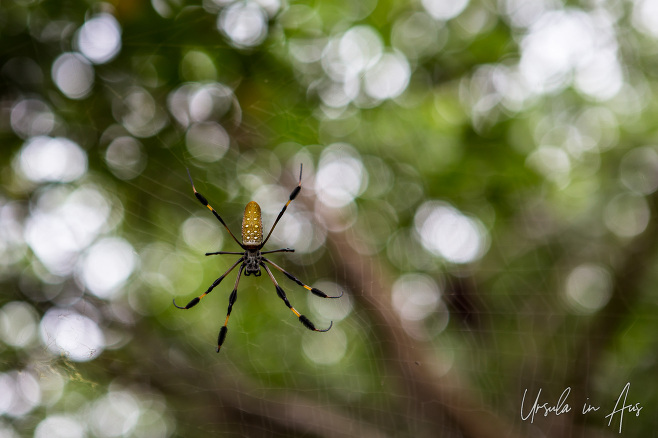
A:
[432,394]
[219,396]
[634,264]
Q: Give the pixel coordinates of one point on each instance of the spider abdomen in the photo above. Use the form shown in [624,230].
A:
[252,226]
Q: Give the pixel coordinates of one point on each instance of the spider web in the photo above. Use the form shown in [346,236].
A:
[427,340]
[267,350]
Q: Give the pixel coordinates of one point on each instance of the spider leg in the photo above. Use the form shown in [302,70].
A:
[231,301]
[278,250]
[313,290]
[196,300]
[303,319]
[225,252]
[204,201]
[293,195]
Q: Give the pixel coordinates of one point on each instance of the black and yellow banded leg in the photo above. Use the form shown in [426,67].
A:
[303,319]
[277,250]
[204,201]
[231,301]
[196,300]
[292,197]
[313,290]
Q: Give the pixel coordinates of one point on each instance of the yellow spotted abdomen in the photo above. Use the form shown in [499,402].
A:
[252,225]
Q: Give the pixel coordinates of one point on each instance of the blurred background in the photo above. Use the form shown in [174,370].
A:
[479,180]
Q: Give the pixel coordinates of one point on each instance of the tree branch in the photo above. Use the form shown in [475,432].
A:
[219,395]
[410,359]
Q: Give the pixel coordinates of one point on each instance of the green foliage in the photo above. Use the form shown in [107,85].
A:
[481,183]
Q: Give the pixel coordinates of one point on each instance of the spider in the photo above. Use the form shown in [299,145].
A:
[252,260]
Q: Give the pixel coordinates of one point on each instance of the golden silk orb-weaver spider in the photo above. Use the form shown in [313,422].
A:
[252,260]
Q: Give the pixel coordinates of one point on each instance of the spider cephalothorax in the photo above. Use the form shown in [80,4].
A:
[251,259]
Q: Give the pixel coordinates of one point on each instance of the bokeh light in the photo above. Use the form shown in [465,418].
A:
[63,224]
[18,324]
[32,118]
[588,288]
[387,78]
[60,426]
[47,159]
[139,113]
[446,232]
[346,56]
[522,13]
[415,296]
[115,415]
[73,75]
[639,170]
[99,39]
[330,351]
[6,431]
[299,231]
[106,266]
[552,162]
[341,176]
[645,16]
[244,23]
[417,35]
[210,102]
[568,44]
[444,10]
[19,393]
[357,68]
[127,411]
[69,333]
[202,234]
[627,215]
[193,102]
[126,158]
[207,141]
